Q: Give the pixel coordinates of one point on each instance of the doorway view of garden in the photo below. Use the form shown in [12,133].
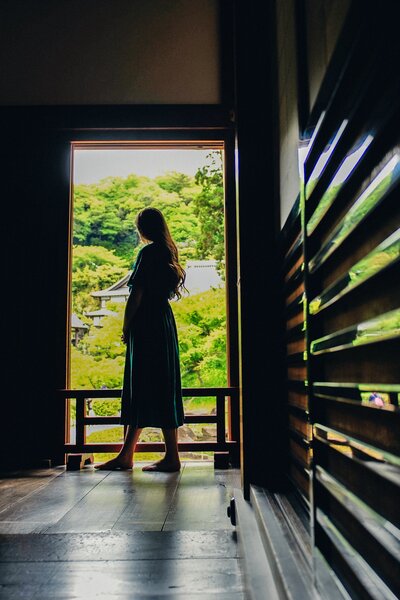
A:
[110,186]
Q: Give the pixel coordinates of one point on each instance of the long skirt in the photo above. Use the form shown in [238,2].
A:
[152,394]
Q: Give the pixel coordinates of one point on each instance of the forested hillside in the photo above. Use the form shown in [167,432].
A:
[105,244]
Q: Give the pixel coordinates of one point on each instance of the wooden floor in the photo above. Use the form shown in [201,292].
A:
[116,535]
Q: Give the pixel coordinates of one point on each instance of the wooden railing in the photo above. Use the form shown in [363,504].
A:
[226,428]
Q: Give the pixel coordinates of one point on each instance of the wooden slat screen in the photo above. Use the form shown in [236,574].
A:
[341,279]
[352,276]
[295,340]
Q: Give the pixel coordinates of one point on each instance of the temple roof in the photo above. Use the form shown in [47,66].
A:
[77,323]
[102,312]
[116,289]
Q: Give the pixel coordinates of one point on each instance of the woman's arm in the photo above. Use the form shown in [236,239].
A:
[133,303]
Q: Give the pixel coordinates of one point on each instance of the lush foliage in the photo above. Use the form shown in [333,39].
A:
[105,212]
[209,208]
[105,245]
[98,359]
[202,338]
[93,268]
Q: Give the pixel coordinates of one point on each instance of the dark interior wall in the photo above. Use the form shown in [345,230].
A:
[34,241]
[262,421]
[307,32]
[324,22]
[288,106]
[55,54]
[102,52]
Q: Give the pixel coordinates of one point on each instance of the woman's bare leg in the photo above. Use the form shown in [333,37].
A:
[124,460]
[170,462]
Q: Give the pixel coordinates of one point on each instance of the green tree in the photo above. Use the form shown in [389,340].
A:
[93,268]
[105,342]
[105,212]
[88,372]
[98,359]
[201,322]
[106,244]
[209,208]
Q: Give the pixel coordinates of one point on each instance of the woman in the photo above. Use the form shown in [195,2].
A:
[151,395]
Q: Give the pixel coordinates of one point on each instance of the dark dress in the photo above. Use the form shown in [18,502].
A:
[152,395]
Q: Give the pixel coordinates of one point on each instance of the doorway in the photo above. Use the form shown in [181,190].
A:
[111,182]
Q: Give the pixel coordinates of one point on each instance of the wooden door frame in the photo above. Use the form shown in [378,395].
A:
[218,137]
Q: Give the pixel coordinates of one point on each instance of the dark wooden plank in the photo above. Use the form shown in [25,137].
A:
[116,579]
[118,546]
[363,478]
[300,477]
[357,576]
[51,502]
[116,393]
[17,485]
[206,418]
[141,497]
[80,415]
[361,363]
[153,447]
[375,426]
[364,529]
[220,419]
[206,508]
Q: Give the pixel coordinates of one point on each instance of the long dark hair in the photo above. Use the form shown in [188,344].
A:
[153,227]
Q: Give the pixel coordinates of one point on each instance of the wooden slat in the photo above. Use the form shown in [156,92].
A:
[377,545]
[295,320]
[80,415]
[358,215]
[376,361]
[293,252]
[151,447]
[382,260]
[357,577]
[296,347]
[299,399]
[365,151]
[117,420]
[297,373]
[82,420]
[295,270]
[370,424]
[195,392]
[293,284]
[220,419]
[295,333]
[301,478]
[301,425]
[354,391]
[296,294]
[362,478]
[295,306]
[369,234]
[300,453]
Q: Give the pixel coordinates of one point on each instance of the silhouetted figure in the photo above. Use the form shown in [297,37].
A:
[152,395]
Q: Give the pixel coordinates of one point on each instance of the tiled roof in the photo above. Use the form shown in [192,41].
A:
[116,289]
[77,323]
[102,312]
